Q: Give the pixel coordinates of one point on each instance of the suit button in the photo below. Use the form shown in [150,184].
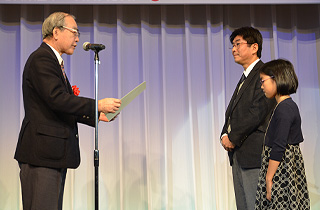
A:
[84,116]
[77,136]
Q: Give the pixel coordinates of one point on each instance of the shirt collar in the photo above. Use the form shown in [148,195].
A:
[248,70]
[60,60]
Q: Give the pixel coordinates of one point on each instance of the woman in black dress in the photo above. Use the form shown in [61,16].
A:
[282,181]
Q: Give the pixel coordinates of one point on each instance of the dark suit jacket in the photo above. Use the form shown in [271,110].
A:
[49,133]
[249,113]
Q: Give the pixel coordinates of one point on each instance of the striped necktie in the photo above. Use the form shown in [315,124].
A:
[63,72]
[243,77]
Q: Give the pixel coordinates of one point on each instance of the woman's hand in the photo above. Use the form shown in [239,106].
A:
[272,168]
[269,187]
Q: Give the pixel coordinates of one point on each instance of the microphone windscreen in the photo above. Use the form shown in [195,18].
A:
[85,46]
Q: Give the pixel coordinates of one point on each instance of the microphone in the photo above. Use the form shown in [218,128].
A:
[95,47]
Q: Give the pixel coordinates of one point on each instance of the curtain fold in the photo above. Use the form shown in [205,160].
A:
[163,150]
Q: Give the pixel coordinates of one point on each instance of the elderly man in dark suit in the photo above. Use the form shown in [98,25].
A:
[246,117]
[48,142]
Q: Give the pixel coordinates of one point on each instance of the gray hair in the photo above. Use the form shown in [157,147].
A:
[54,20]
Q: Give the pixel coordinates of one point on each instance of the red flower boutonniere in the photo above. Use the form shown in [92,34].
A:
[75,90]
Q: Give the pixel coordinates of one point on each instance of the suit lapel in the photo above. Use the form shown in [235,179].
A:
[65,82]
[232,101]
[246,83]
[68,86]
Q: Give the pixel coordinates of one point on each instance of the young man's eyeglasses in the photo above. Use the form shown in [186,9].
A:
[238,44]
[76,32]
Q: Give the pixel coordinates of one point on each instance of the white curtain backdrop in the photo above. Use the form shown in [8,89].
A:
[163,151]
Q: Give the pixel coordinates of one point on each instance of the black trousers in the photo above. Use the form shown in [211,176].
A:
[42,188]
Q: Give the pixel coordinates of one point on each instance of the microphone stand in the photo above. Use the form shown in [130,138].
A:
[96,149]
[96,48]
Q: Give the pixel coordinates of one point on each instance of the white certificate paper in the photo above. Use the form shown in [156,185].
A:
[127,99]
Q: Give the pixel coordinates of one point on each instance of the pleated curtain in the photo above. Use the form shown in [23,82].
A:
[163,150]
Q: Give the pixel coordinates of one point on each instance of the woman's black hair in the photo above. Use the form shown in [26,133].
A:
[283,73]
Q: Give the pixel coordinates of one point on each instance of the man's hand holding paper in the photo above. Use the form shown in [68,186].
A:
[103,117]
[109,105]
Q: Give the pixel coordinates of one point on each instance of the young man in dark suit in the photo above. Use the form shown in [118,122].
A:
[246,117]
[48,142]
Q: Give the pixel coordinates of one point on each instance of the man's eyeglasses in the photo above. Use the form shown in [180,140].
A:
[76,32]
[238,44]
[263,80]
